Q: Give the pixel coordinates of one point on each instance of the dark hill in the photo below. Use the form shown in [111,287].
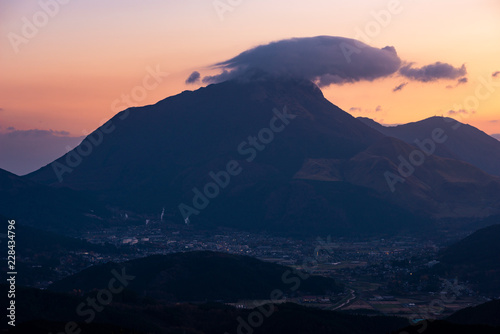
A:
[199,276]
[45,312]
[444,327]
[475,259]
[47,207]
[485,314]
[42,311]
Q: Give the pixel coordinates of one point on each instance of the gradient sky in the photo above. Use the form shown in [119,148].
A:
[67,76]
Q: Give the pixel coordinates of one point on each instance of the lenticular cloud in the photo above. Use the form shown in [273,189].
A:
[324,59]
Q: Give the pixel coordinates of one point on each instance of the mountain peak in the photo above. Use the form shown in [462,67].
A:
[167,154]
[184,137]
[463,141]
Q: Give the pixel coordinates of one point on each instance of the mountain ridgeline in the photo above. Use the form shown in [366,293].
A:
[475,259]
[200,276]
[462,141]
[270,155]
[49,208]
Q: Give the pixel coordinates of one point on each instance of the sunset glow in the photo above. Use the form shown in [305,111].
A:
[67,73]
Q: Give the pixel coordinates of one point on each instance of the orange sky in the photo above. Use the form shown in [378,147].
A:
[67,76]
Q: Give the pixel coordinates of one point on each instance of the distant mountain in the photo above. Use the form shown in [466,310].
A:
[464,142]
[61,209]
[200,276]
[176,154]
[475,259]
[441,187]
[496,136]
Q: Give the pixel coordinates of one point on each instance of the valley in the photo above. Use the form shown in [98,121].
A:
[381,275]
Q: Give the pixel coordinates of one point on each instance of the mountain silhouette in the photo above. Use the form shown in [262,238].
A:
[245,154]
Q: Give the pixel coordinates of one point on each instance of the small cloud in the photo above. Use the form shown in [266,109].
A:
[494,121]
[24,151]
[495,74]
[460,111]
[400,87]
[193,78]
[366,111]
[37,133]
[432,72]
[460,81]
[1,109]
[60,133]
